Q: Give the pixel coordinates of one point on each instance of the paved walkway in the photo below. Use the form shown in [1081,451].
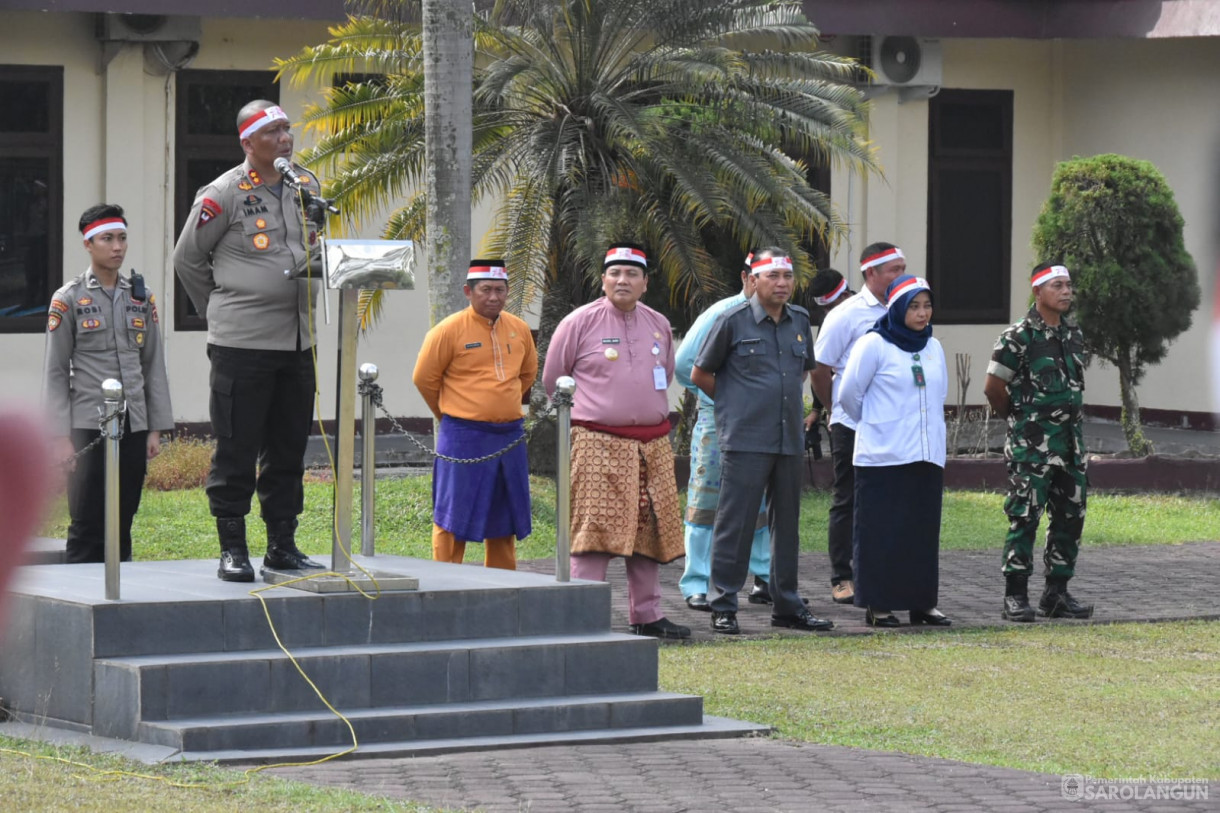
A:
[1126,583]
[766,774]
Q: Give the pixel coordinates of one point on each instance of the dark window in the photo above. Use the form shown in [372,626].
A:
[31,195]
[207,145]
[970,204]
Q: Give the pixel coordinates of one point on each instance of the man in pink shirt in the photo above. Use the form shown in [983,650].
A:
[624,495]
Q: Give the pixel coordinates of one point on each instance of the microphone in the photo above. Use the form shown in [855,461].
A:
[284,167]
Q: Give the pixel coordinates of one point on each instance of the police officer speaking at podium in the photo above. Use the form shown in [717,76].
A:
[247,229]
[99,326]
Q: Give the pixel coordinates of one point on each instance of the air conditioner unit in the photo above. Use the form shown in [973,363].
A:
[148,28]
[906,61]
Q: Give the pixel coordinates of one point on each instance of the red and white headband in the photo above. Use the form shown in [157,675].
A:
[777,263]
[106,224]
[882,258]
[625,254]
[260,120]
[906,287]
[1048,274]
[478,272]
[833,295]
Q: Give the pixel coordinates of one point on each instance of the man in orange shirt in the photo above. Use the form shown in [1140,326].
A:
[474,370]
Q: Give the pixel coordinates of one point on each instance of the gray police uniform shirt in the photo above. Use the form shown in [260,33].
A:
[760,368]
[238,241]
[93,335]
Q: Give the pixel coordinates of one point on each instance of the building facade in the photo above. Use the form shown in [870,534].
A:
[139,111]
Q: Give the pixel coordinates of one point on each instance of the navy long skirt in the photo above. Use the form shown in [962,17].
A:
[896,536]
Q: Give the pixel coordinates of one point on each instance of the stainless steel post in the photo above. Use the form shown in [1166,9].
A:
[112,393]
[368,465]
[564,388]
[345,432]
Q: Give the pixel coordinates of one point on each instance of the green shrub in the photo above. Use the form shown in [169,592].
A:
[183,463]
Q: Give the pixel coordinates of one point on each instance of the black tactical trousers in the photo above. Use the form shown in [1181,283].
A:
[87,494]
[261,407]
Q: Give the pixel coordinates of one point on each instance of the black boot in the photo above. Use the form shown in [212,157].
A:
[1016,598]
[282,551]
[234,557]
[1057,602]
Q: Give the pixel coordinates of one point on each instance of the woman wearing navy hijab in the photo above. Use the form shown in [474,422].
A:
[894,387]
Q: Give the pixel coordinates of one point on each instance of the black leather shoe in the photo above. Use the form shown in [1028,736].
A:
[759,593]
[698,601]
[1016,608]
[282,558]
[661,628]
[932,617]
[235,566]
[725,623]
[282,550]
[880,618]
[1057,602]
[802,620]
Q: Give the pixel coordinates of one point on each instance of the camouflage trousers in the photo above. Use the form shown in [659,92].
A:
[1032,489]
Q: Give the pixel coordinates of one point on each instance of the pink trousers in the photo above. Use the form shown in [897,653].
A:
[643,582]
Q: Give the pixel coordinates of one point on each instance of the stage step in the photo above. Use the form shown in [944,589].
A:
[187,664]
[418,724]
[131,690]
[711,728]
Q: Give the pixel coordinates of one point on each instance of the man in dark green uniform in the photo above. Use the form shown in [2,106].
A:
[1036,380]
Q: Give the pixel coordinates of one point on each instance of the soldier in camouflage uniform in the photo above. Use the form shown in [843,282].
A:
[1036,380]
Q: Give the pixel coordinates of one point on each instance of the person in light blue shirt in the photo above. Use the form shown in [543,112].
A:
[703,491]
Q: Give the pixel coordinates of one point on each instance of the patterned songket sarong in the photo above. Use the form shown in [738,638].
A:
[624,497]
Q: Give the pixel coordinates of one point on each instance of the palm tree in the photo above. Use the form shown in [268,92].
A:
[679,123]
[448,62]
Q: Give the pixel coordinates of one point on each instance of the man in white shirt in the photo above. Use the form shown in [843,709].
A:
[880,263]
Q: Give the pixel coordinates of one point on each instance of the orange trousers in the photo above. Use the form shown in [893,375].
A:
[499,551]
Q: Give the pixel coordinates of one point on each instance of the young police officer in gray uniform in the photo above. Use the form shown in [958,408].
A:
[101,326]
[244,231]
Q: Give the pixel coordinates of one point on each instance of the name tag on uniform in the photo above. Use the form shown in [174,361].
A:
[611,341]
[473,345]
[658,379]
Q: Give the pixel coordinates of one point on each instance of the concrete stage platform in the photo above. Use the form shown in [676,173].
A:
[186,665]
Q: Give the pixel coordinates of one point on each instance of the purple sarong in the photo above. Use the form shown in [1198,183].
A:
[477,501]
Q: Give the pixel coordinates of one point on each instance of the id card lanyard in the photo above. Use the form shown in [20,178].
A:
[917,371]
[658,371]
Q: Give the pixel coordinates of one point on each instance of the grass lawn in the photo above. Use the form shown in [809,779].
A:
[176,524]
[59,778]
[1117,700]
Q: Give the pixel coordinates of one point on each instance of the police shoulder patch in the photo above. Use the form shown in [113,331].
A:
[53,320]
[209,210]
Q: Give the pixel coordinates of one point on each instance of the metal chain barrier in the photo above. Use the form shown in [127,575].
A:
[104,419]
[373,391]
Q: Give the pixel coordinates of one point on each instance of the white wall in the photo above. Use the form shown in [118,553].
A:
[1155,100]
[1150,99]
